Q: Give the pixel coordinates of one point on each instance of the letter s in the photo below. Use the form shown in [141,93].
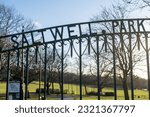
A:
[14,40]
[16,110]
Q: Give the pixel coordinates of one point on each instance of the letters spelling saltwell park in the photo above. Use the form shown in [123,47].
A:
[76,40]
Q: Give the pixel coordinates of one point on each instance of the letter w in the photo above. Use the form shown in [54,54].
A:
[57,32]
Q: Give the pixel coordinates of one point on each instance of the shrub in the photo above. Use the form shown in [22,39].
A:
[109,93]
[95,93]
[55,91]
[101,93]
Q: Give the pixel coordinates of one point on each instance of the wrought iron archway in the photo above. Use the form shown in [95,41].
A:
[61,39]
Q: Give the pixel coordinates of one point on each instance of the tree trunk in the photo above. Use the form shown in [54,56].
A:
[125,88]
[101,89]
[59,81]
[28,94]
[85,89]
[52,88]
[48,89]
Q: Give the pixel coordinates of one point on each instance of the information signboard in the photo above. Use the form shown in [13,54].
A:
[14,87]
[14,90]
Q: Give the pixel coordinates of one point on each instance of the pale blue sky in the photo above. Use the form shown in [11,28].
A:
[57,12]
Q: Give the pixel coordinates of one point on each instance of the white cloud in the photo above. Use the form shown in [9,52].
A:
[37,24]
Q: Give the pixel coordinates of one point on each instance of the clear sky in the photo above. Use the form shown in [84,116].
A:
[48,13]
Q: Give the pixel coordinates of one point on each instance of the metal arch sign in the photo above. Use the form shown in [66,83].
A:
[77,30]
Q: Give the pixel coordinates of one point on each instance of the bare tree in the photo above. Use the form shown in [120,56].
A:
[54,70]
[77,69]
[105,69]
[138,3]
[10,22]
[121,11]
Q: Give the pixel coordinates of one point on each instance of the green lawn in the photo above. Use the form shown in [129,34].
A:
[2,87]
[73,92]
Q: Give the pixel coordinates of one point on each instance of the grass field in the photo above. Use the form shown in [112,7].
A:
[73,92]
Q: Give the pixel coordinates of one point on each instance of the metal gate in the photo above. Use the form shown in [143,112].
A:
[74,40]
